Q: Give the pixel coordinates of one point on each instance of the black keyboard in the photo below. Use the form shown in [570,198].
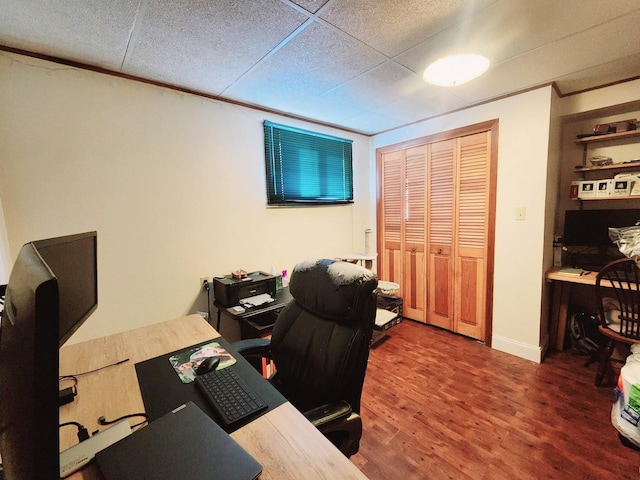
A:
[229,395]
[594,263]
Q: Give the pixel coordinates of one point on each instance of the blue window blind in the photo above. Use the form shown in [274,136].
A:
[306,168]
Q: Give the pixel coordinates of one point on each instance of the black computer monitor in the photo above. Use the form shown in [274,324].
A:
[73,261]
[590,228]
[52,289]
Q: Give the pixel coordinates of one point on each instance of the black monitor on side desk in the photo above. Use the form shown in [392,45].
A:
[52,289]
[586,235]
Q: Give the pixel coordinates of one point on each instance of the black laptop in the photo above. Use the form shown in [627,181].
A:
[184,444]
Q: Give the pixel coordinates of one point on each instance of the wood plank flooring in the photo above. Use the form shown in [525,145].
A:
[437,405]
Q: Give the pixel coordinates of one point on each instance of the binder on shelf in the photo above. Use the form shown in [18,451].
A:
[621,188]
[575,185]
[587,189]
[603,188]
[634,178]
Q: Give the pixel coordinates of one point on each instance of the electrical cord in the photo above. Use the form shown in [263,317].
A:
[207,286]
[67,394]
[103,421]
[69,377]
[72,375]
[83,433]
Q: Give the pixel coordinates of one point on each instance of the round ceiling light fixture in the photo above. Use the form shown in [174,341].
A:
[455,70]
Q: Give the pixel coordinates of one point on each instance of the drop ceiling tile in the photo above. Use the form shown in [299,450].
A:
[334,113]
[426,103]
[513,27]
[393,26]
[610,72]
[310,5]
[302,66]
[384,84]
[372,122]
[420,105]
[93,32]
[207,45]
[449,41]
[281,99]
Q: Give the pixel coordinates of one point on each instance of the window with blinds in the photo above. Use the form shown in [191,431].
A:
[306,168]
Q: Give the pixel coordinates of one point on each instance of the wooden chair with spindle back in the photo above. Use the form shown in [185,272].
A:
[618,297]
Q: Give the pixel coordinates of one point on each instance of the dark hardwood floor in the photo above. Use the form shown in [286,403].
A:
[437,405]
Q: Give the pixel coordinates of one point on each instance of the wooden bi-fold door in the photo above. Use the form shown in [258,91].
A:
[435,228]
[402,214]
[458,216]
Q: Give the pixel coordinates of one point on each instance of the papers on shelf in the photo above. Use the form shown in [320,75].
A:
[256,300]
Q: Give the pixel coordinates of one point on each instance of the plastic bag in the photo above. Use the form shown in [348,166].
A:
[628,241]
[625,413]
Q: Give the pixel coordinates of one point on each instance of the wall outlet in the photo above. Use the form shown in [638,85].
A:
[202,280]
[521,213]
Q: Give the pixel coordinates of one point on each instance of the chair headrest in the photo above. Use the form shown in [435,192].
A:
[332,289]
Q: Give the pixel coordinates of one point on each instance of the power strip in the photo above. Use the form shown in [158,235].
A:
[76,457]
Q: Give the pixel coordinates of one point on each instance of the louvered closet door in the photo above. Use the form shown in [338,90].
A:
[472,235]
[440,224]
[414,280]
[390,257]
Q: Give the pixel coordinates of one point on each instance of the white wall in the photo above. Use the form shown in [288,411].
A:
[551,207]
[5,257]
[618,94]
[173,183]
[523,146]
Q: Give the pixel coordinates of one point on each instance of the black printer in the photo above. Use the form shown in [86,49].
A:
[228,290]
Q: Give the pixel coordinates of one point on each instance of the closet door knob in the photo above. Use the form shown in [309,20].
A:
[439,251]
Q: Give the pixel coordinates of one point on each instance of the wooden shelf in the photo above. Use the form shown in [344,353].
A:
[613,166]
[608,136]
[590,199]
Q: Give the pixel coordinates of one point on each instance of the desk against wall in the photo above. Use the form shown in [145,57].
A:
[561,288]
[282,440]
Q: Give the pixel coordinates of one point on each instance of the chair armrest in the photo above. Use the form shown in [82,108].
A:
[254,347]
[328,413]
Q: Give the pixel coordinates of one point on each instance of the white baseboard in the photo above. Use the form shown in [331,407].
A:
[519,349]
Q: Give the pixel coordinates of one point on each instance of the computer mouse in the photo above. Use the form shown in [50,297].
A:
[209,364]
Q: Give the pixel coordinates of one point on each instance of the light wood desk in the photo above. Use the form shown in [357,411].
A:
[562,285]
[282,440]
[362,258]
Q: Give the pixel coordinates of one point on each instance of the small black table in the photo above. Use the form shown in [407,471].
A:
[258,321]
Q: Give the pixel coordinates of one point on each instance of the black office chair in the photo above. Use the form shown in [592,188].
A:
[320,346]
[618,297]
